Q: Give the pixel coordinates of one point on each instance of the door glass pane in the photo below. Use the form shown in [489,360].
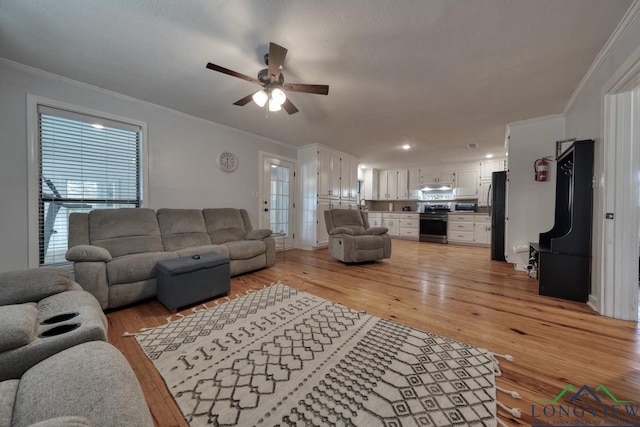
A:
[279,199]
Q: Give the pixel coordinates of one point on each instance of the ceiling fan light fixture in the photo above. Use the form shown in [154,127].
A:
[260,98]
[273,105]
[278,96]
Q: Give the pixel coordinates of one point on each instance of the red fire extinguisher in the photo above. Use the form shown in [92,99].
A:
[541,168]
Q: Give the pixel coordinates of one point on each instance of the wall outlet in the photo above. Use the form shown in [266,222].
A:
[521,248]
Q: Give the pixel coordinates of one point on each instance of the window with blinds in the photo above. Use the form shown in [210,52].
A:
[86,163]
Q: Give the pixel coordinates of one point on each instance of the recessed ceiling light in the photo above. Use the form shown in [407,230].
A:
[488,156]
[506,154]
[406,146]
[97,126]
[362,166]
[274,166]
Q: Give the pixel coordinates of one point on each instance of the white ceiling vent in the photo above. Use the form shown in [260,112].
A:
[472,146]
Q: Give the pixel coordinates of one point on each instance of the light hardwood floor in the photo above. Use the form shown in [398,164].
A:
[451,290]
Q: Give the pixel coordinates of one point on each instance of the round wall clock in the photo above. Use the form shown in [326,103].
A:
[228,162]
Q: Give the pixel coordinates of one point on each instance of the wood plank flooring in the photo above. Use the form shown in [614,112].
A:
[451,290]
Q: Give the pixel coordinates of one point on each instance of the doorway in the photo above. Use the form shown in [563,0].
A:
[277,203]
[618,290]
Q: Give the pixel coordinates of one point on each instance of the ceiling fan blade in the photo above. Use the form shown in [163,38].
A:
[299,87]
[232,73]
[289,107]
[244,101]
[276,59]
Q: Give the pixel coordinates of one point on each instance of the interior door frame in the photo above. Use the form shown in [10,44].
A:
[293,190]
[618,267]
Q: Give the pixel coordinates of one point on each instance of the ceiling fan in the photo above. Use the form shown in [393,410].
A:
[272,82]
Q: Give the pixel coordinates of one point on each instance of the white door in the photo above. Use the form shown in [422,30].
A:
[325,164]
[278,197]
[322,236]
[466,184]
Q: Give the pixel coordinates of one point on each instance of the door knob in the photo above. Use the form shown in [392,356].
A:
[266,209]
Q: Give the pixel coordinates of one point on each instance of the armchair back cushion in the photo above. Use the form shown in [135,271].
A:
[182,228]
[125,231]
[345,218]
[226,224]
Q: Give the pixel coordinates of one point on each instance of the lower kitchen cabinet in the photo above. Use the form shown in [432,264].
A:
[410,226]
[471,229]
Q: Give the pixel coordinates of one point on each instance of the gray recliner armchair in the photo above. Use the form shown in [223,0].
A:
[351,239]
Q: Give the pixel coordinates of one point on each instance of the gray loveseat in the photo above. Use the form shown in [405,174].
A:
[55,367]
[115,250]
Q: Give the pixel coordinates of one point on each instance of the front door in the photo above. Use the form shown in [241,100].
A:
[277,199]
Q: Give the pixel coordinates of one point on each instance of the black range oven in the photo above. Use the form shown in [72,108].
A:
[433,224]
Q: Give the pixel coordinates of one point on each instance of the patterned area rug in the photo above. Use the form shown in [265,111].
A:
[282,357]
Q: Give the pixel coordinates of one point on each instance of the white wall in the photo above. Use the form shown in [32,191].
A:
[530,203]
[182,154]
[584,120]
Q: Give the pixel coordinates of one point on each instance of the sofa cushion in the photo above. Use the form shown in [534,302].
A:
[91,380]
[246,249]
[8,391]
[224,225]
[125,231]
[259,234]
[346,217]
[34,284]
[204,249]
[18,325]
[182,228]
[135,267]
[64,422]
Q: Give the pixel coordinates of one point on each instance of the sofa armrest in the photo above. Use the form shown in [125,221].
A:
[258,234]
[32,285]
[18,325]
[376,231]
[341,230]
[88,253]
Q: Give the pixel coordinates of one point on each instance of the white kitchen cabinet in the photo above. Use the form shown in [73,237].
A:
[482,230]
[433,176]
[392,222]
[414,187]
[322,236]
[466,184]
[487,167]
[325,171]
[319,189]
[375,219]
[393,185]
[409,226]
[469,229]
[348,178]
[371,184]
[483,192]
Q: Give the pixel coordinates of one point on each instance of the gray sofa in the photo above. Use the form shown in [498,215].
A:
[351,239]
[68,378]
[115,251]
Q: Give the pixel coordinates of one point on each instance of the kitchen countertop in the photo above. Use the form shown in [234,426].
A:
[469,213]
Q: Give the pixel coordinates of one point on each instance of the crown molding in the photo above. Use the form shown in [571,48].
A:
[533,120]
[623,25]
[55,77]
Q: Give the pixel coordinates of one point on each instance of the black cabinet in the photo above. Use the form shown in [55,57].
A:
[563,253]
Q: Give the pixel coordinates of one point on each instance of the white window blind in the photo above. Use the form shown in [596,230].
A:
[86,163]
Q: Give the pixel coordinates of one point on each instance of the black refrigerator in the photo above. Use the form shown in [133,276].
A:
[497,206]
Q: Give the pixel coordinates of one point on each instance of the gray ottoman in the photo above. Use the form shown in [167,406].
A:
[187,280]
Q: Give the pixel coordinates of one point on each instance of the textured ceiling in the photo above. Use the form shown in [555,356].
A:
[436,74]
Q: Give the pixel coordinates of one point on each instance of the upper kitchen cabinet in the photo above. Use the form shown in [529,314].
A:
[349,178]
[415,186]
[393,185]
[488,167]
[466,184]
[432,176]
[370,186]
